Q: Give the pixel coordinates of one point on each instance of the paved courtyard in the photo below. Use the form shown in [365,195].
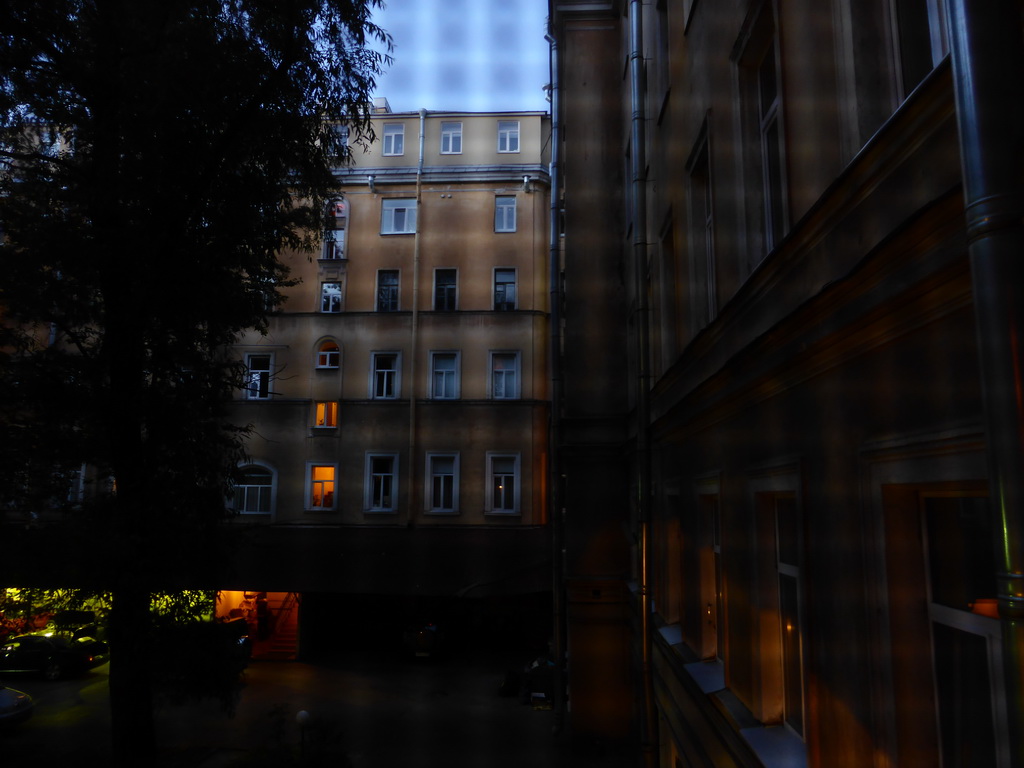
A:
[364,711]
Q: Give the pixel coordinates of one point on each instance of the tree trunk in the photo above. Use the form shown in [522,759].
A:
[133,731]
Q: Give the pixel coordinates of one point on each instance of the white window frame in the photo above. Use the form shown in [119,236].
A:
[500,306]
[334,244]
[492,390]
[272,489]
[505,213]
[396,374]
[368,483]
[429,475]
[508,136]
[456,357]
[259,392]
[394,139]
[324,357]
[328,410]
[489,501]
[451,138]
[311,483]
[398,216]
[330,297]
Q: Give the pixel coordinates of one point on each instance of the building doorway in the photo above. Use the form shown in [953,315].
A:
[272,619]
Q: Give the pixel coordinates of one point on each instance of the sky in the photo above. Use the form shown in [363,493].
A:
[465,55]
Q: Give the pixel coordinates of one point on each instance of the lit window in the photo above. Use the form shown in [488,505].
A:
[253,491]
[444,384]
[503,483]
[321,486]
[504,214]
[442,492]
[326,414]
[328,356]
[505,375]
[504,289]
[398,216]
[451,138]
[508,135]
[258,377]
[330,297]
[387,290]
[394,139]
[445,285]
[384,376]
[381,482]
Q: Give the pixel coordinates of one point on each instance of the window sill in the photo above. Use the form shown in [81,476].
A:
[775,746]
[441,512]
[380,511]
[502,513]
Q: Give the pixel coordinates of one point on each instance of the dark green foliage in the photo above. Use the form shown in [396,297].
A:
[155,158]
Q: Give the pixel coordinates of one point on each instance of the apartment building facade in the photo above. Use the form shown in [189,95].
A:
[399,398]
[821,559]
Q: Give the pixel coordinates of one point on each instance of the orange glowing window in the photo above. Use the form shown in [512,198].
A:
[321,494]
[326,414]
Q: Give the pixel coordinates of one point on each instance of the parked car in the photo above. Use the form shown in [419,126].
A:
[15,706]
[51,655]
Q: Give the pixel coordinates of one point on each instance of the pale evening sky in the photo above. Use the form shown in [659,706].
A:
[466,55]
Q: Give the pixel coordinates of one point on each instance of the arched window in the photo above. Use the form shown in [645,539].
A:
[328,355]
[254,490]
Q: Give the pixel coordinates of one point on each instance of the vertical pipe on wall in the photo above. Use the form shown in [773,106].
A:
[638,162]
[415,327]
[988,76]
[554,414]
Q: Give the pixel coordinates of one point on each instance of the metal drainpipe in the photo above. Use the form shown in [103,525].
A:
[988,80]
[555,481]
[638,161]
[414,343]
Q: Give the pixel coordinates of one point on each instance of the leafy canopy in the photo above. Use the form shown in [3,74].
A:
[155,158]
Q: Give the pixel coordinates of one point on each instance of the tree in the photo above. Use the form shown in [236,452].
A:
[155,158]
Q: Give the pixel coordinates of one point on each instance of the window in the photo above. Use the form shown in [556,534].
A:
[787,550]
[763,154]
[328,355]
[502,483]
[381,486]
[505,375]
[330,297]
[771,147]
[445,290]
[442,492]
[387,290]
[253,493]
[444,383]
[394,139]
[920,38]
[334,230]
[320,488]
[398,216]
[340,134]
[326,414]
[451,138]
[504,290]
[504,214]
[508,135]
[258,377]
[334,244]
[961,572]
[384,376]
[704,295]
